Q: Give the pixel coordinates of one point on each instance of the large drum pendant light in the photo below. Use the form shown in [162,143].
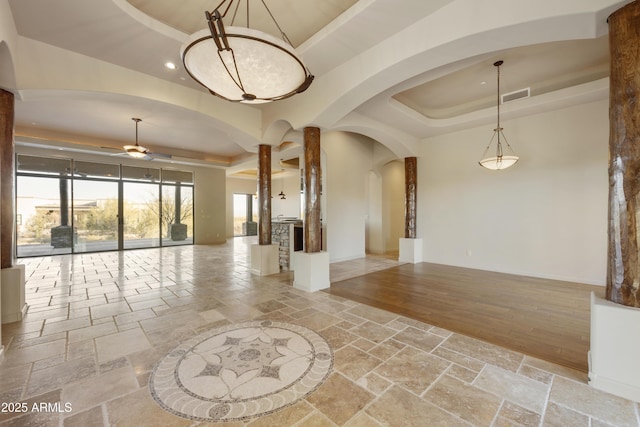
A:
[243,64]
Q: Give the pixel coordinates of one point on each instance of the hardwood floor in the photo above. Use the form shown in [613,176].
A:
[543,318]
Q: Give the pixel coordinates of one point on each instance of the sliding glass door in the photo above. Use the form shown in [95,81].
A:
[42,216]
[177,215]
[95,215]
[66,206]
[141,220]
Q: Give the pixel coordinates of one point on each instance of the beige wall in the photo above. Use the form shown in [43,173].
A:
[545,217]
[374,240]
[393,204]
[209,205]
[8,43]
[350,160]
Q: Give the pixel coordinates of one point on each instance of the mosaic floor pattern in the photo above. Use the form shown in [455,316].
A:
[241,371]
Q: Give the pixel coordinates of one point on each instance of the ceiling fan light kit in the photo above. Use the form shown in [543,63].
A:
[503,156]
[137,151]
[243,64]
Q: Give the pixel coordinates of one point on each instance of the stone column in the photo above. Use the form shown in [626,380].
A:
[265,258]
[264,195]
[615,321]
[6,133]
[7,169]
[623,270]
[311,266]
[64,201]
[410,246]
[249,227]
[178,230]
[12,278]
[312,183]
[249,212]
[410,196]
[177,204]
[62,234]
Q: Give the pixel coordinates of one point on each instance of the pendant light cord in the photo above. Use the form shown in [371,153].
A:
[498,128]
[498,91]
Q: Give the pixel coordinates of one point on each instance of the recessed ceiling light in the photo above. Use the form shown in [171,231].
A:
[170,65]
[483,83]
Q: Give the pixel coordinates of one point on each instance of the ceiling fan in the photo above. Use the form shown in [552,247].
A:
[74,171]
[148,175]
[138,151]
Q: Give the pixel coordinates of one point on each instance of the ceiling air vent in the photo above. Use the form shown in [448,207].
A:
[518,94]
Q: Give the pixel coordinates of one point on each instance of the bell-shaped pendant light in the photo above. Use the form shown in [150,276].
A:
[502,156]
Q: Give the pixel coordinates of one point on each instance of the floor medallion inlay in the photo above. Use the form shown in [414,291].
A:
[240,371]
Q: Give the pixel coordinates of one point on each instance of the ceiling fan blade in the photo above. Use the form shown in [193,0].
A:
[163,155]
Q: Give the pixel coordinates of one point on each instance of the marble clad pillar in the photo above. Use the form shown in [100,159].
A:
[12,277]
[623,271]
[312,188]
[264,255]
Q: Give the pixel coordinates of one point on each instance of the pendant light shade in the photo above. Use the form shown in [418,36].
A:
[502,155]
[243,64]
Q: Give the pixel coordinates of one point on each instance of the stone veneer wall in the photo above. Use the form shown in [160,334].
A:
[280,234]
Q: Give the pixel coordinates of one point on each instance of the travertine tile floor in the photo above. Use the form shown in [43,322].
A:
[98,323]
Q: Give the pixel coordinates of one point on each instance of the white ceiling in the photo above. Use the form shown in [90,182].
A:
[300,19]
[448,86]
